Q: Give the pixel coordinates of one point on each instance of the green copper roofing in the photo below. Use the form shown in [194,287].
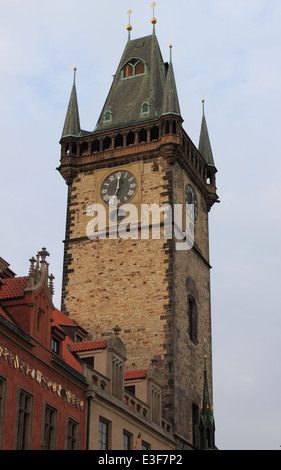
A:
[204,142]
[207,421]
[170,98]
[72,121]
[128,94]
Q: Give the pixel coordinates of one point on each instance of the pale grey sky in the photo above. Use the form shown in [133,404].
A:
[228,53]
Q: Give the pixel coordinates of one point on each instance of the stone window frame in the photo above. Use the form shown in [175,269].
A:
[107,425]
[23,429]
[53,446]
[73,436]
[129,436]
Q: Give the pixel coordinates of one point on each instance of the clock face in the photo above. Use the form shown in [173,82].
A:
[121,184]
[190,198]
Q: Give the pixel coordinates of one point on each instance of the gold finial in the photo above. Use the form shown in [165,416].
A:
[203,106]
[129,27]
[74,68]
[154,20]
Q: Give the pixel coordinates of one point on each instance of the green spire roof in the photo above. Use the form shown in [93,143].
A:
[207,422]
[170,98]
[72,121]
[141,90]
[204,142]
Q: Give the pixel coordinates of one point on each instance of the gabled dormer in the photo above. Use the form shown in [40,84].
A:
[106,359]
[145,385]
[29,299]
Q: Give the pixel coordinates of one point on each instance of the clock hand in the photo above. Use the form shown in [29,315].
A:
[118,185]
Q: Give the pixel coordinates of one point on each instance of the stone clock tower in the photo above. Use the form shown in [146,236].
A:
[159,296]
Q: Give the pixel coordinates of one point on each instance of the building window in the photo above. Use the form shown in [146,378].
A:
[90,361]
[2,407]
[127,440]
[103,434]
[145,108]
[55,346]
[72,437]
[107,117]
[192,319]
[24,420]
[145,446]
[50,427]
[131,389]
[133,68]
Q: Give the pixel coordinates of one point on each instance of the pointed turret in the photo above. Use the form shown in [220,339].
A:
[207,422]
[72,121]
[170,98]
[204,142]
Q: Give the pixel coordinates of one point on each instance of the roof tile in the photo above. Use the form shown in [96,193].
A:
[136,374]
[89,345]
[13,288]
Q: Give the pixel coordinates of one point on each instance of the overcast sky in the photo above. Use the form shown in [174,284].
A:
[226,52]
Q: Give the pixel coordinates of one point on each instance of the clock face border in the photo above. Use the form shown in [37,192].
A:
[135,168]
[121,183]
[189,190]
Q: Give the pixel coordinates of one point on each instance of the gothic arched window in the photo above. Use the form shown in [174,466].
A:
[133,68]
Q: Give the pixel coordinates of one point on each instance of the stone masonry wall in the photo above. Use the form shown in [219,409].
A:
[192,277]
[124,282]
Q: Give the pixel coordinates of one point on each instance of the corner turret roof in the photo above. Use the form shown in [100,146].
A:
[204,142]
[72,121]
[170,98]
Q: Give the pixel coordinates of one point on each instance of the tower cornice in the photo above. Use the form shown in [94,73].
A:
[174,147]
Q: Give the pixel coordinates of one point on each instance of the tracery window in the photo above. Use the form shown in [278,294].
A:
[134,67]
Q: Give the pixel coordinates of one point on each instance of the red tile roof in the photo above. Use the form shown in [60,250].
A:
[89,345]
[136,374]
[12,288]
[60,318]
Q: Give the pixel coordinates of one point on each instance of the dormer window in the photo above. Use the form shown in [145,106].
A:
[145,108]
[107,117]
[133,68]
[57,337]
[56,346]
